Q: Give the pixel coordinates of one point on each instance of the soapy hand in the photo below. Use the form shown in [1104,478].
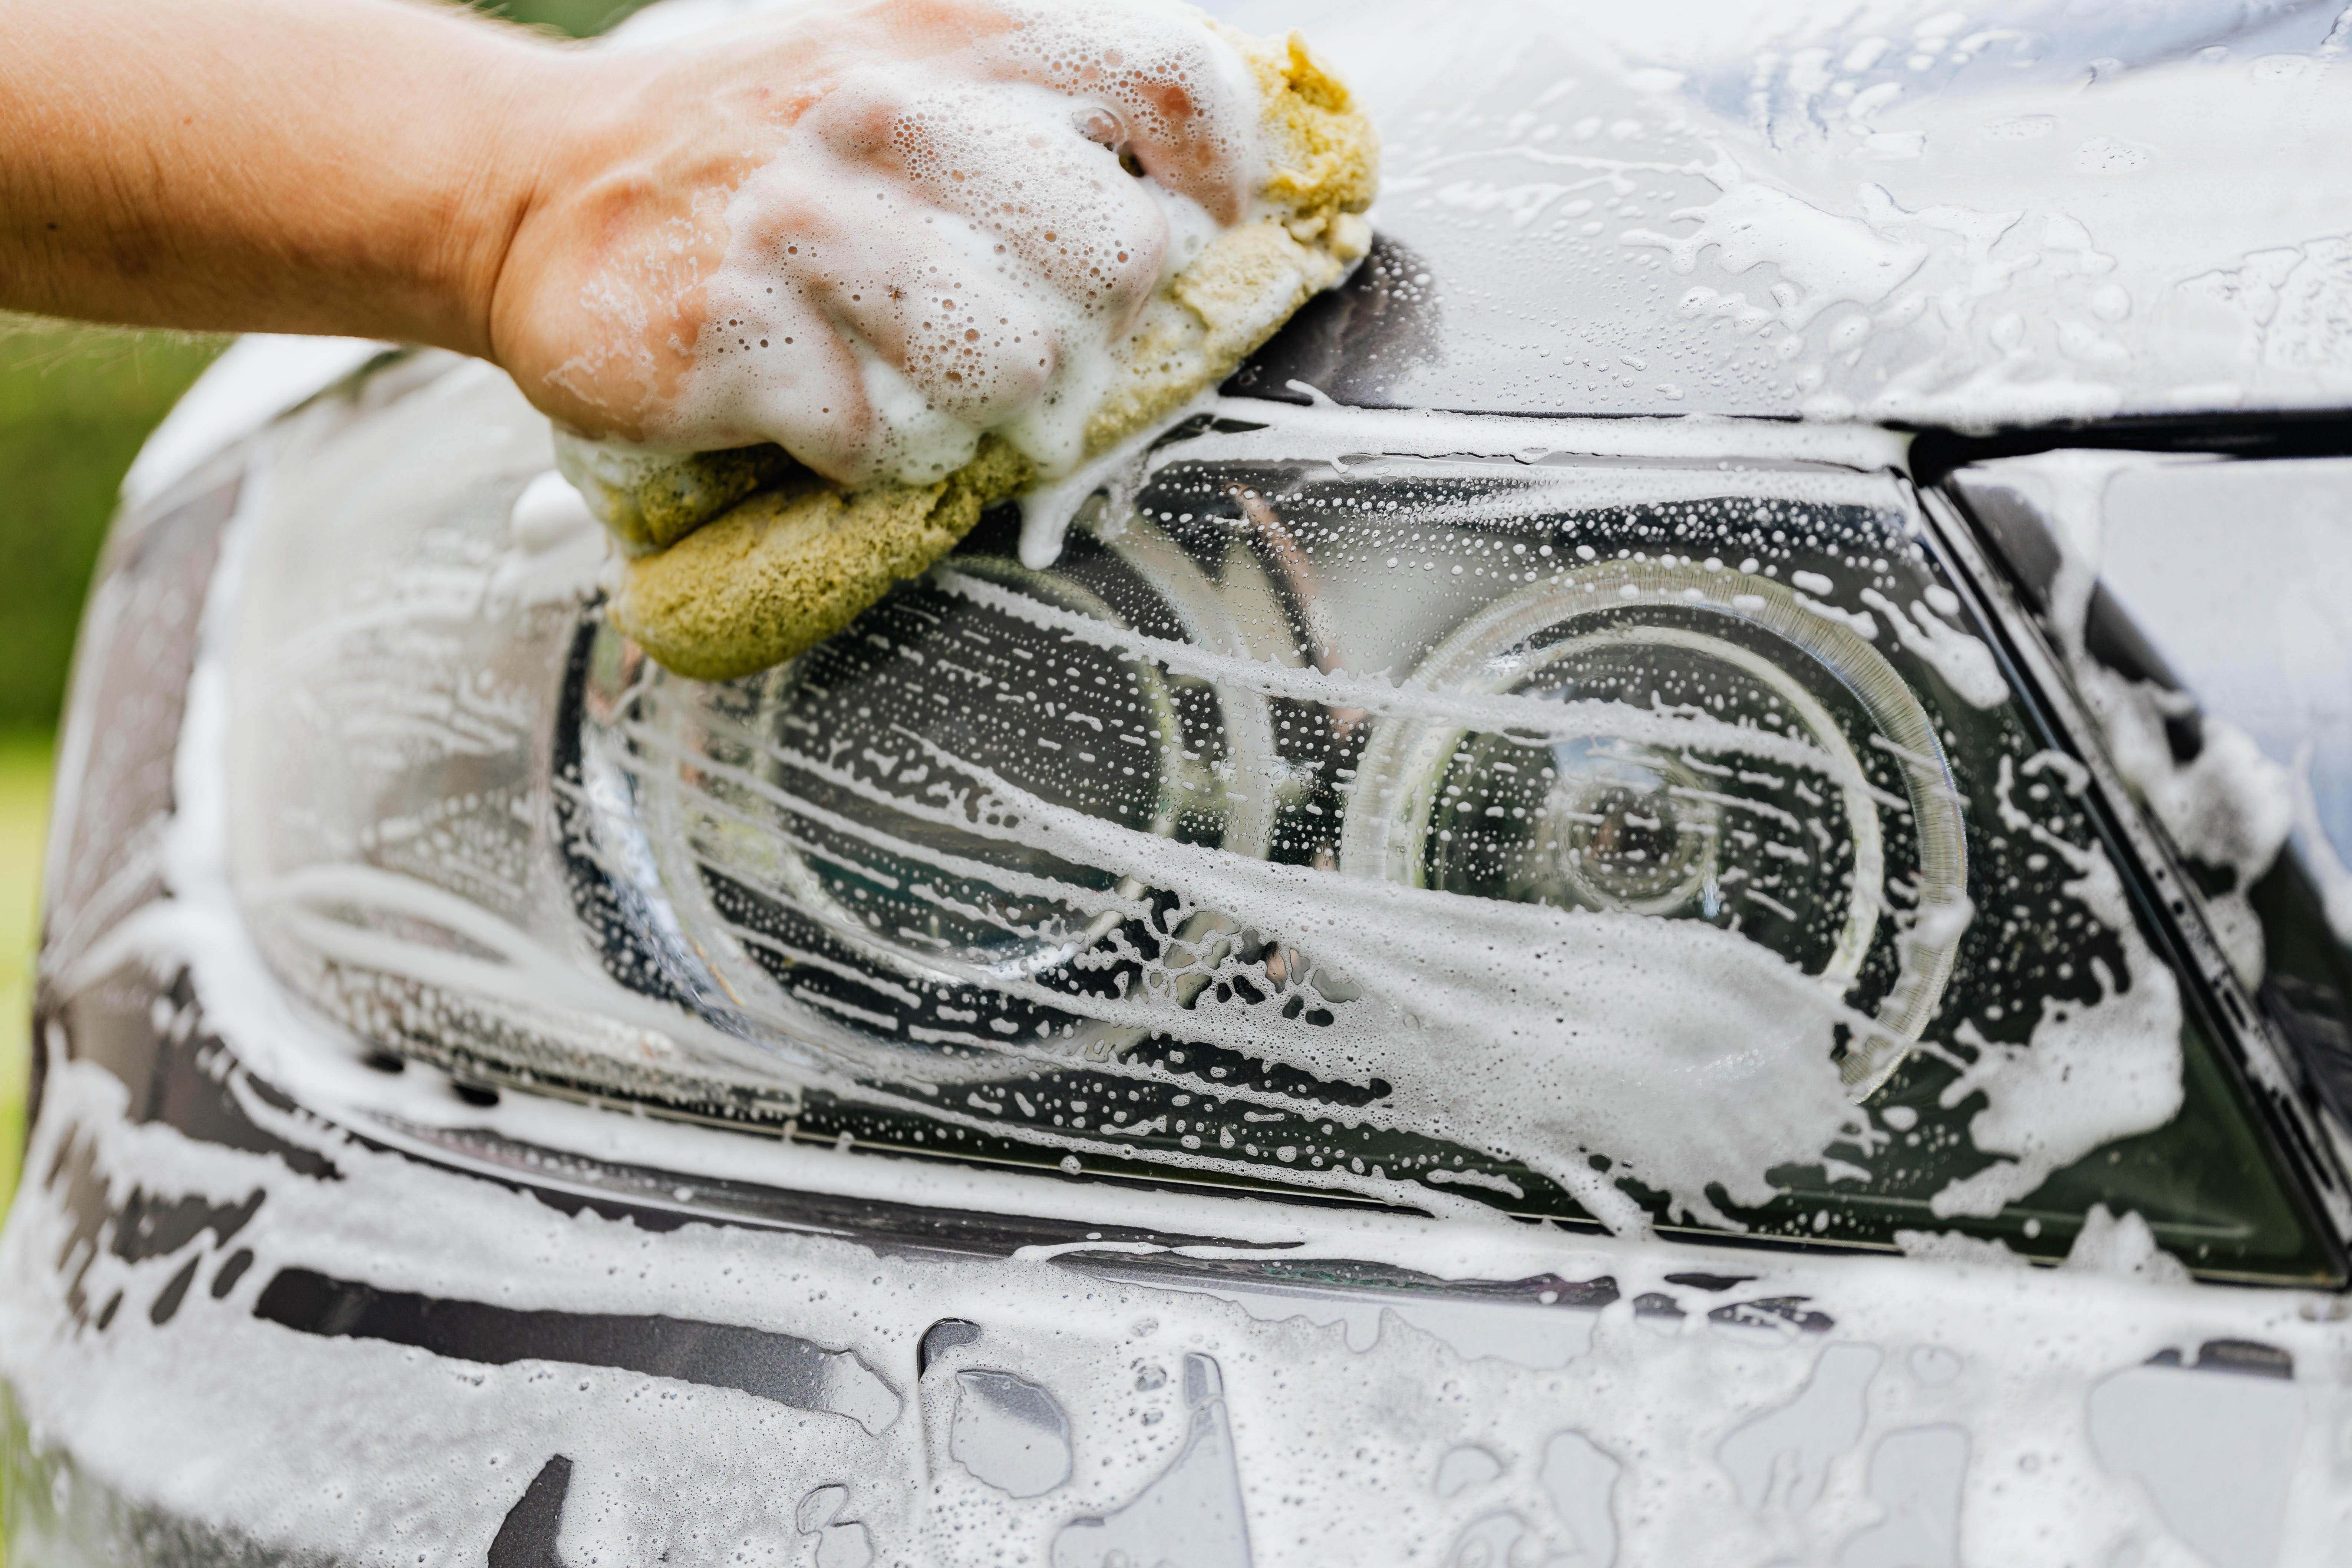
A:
[935,250]
[780,230]
[867,232]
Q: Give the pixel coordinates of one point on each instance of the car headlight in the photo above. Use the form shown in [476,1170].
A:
[1358,803]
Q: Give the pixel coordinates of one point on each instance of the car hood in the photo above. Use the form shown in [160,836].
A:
[1897,213]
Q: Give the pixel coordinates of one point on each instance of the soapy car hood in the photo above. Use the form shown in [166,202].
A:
[1908,214]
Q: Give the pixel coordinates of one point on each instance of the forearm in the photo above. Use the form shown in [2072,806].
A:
[901,181]
[340,166]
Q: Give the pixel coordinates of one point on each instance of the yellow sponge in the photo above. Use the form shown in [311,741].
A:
[792,565]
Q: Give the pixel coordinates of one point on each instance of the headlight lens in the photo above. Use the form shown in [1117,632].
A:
[810,816]
[1794,857]
[1582,835]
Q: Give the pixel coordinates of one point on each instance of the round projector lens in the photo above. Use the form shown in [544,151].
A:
[1655,740]
[833,834]
[1580,825]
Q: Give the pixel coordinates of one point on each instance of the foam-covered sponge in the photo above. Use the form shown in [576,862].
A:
[736,561]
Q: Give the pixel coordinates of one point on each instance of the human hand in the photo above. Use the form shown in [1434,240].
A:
[864,231]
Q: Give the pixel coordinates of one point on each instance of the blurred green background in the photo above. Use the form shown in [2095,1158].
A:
[74,406]
[74,403]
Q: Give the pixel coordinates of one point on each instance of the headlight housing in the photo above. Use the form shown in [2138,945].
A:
[1382,806]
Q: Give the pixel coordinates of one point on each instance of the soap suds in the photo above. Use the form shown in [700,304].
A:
[1829,259]
[2229,806]
[224,1417]
[2125,1248]
[1688,1056]
[2089,1074]
[1957,1247]
[1961,658]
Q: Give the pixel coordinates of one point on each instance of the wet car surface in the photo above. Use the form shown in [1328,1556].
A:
[1479,971]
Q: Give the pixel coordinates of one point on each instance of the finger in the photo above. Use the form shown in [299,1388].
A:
[925,290]
[771,363]
[1016,161]
[1186,98]
[979,348]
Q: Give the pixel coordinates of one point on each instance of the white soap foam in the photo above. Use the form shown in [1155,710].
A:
[1687,1055]
[1562,1034]
[1961,657]
[1048,510]
[2320,856]
[547,514]
[2088,1075]
[2123,1247]
[2230,805]
[1528,718]
[1830,259]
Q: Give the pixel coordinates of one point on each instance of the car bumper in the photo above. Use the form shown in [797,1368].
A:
[239,1323]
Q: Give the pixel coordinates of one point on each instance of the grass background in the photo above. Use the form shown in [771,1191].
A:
[74,403]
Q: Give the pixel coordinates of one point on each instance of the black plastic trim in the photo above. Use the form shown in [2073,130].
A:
[778,1367]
